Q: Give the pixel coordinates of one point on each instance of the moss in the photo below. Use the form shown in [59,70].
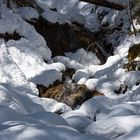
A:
[134,52]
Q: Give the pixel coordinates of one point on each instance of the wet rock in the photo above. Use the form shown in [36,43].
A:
[71,94]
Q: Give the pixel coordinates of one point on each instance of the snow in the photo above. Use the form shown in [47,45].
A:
[81,75]
[13,79]
[78,122]
[59,66]
[115,126]
[32,64]
[48,118]
[37,131]
[68,62]
[25,116]
[52,105]
[27,13]
[67,11]
[83,57]
[133,135]
[16,23]
[78,60]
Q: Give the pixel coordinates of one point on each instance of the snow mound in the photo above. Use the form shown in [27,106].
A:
[79,122]
[15,23]
[83,57]
[32,64]
[27,13]
[114,127]
[48,118]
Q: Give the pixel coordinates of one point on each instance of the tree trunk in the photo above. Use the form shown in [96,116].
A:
[106,3]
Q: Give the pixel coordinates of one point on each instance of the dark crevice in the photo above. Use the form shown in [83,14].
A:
[63,38]
[9,36]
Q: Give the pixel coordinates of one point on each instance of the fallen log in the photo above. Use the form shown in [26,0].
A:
[107,4]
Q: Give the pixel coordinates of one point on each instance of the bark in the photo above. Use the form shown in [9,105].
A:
[107,4]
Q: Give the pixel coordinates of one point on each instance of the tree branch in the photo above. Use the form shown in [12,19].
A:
[106,3]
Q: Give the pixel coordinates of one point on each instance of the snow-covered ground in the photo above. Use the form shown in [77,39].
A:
[25,116]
